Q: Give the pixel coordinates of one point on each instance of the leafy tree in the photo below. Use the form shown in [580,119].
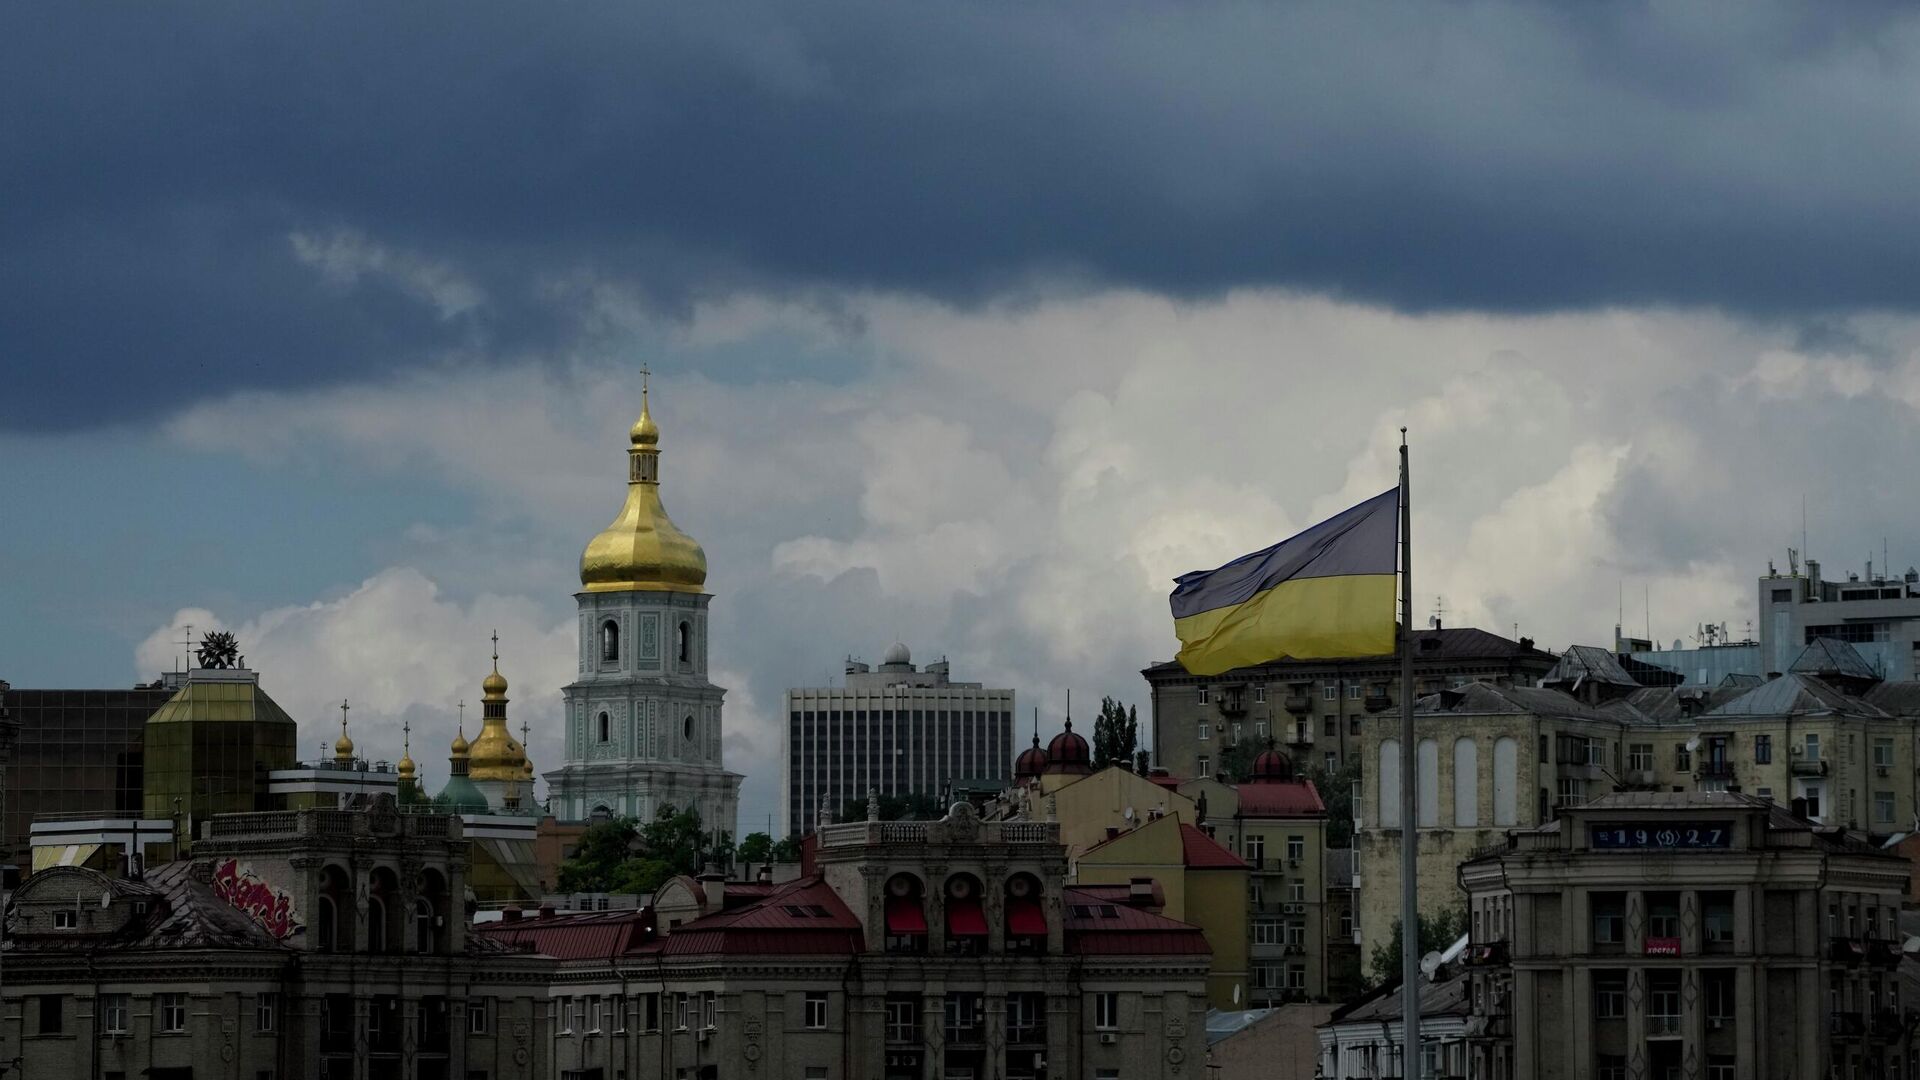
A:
[919,806]
[1116,734]
[1142,763]
[1237,760]
[624,856]
[411,795]
[756,847]
[1336,790]
[1437,931]
[786,850]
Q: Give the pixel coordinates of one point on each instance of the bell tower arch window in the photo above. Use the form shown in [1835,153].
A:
[609,641]
[685,642]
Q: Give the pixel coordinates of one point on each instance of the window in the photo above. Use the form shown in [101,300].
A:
[1353,725]
[816,1072]
[266,1012]
[816,1011]
[1330,727]
[1813,800]
[1609,918]
[479,1015]
[1883,807]
[1346,924]
[1266,932]
[1763,749]
[1813,746]
[1296,892]
[52,1017]
[685,638]
[114,1013]
[712,1011]
[1883,753]
[590,1014]
[1610,1067]
[1256,890]
[1296,848]
[1205,766]
[65,920]
[1682,758]
[1256,850]
[1260,695]
[1717,918]
[609,641]
[1206,731]
[1356,692]
[1720,994]
[1203,693]
[1296,976]
[1106,1011]
[1663,915]
[1333,762]
[1296,933]
[1572,792]
[173,1012]
[650,1012]
[1640,757]
[1235,731]
[680,1010]
[1609,995]
[903,1020]
[1720,1067]
[1330,692]
[606,728]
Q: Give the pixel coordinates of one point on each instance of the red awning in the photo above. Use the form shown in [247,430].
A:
[1025,920]
[904,916]
[965,919]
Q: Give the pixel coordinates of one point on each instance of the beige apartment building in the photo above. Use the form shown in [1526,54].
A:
[1699,935]
[1826,737]
[1316,708]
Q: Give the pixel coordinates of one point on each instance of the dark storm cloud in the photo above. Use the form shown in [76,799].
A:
[1508,158]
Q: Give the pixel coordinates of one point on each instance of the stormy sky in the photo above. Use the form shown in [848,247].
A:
[972,325]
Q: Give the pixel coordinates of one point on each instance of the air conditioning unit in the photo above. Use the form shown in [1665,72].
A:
[703,1035]
[1796,751]
[1880,769]
[1293,909]
[1715,1023]
[1221,726]
[1293,864]
[1108,1038]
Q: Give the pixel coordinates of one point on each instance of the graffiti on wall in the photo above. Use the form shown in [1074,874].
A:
[267,905]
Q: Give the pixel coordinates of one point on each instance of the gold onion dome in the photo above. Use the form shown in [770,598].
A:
[343,746]
[405,765]
[460,745]
[495,754]
[643,549]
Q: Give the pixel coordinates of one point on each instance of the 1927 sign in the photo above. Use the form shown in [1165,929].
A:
[1708,835]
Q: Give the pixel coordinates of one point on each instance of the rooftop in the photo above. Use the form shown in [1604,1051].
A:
[1450,644]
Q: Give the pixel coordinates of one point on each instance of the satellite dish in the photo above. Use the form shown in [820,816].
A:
[1429,964]
[106,899]
[1127,813]
[1236,993]
[1693,744]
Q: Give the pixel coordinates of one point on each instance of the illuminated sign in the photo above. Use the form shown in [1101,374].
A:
[1663,946]
[1634,836]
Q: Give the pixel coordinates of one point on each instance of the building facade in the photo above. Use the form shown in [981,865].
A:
[1877,614]
[1316,708]
[643,721]
[895,728]
[1693,934]
[907,951]
[1826,736]
[315,944]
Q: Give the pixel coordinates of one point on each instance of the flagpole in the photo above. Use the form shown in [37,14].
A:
[1409,779]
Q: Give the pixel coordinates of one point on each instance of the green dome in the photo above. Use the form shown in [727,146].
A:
[461,793]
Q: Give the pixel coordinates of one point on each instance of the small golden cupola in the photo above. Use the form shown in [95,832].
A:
[643,549]
[406,767]
[343,746]
[495,754]
[457,753]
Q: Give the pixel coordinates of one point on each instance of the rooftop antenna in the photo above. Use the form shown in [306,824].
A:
[186,643]
[1804,549]
[1646,605]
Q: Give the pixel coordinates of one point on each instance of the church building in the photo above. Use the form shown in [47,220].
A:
[643,720]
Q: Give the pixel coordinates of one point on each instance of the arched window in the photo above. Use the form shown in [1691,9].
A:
[376,925]
[906,915]
[606,727]
[686,728]
[1389,783]
[1506,781]
[1428,791]
[1026,927]
[609,641]
[966,917]
[326,926]
[422,926]
[1466,782]
[686,642]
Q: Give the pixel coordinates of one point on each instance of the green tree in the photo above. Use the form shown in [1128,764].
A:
[915,807]
[1437,931]
[624,856]
[1142,764]
[756,847]
[1236,761]
[1336,790]
[1116,734]
[786,850]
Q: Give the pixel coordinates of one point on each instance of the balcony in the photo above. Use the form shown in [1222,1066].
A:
[1377,702]
[1663,1026]
[1883,953]
[1489,1027]
[1806,766]
[966,1034]
[1847,951]
[1488,954]
[1888,1025]
[1714,770]
[1233,705]
[1026,1034]
[1300,736]
[1297,703]
[1847,1025]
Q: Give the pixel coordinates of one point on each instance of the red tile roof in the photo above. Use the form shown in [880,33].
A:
[1171,783]
[586,935]
[1202,852]
[1282,798]
[1097,926]
[799,917]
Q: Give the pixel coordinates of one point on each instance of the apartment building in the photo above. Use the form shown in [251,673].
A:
[1690,934]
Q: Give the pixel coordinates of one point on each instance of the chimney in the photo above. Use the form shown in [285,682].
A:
[1140,892]
[765,876]
[546,911]
[511,914]
[714,885]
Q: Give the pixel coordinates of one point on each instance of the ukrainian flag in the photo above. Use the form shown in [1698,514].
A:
[1327,592]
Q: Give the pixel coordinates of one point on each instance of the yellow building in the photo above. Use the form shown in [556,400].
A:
[1096,808]
[1203,884]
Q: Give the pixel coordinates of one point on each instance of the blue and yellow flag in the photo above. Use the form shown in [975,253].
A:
[1327,592]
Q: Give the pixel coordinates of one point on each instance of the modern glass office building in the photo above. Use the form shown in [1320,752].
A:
[78,752]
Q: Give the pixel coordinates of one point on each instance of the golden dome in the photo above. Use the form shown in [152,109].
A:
[460,745]
[495,755]
[643,549]
[406,767]
[343,746]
